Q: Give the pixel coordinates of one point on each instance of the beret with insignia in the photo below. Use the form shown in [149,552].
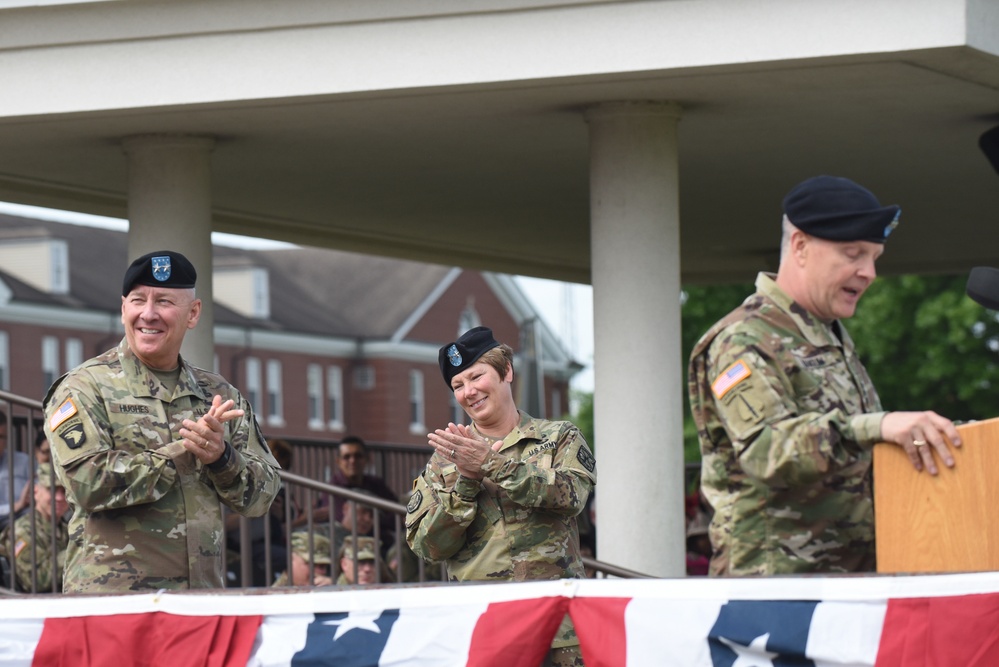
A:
[163,268]
[837,209]
[462,353]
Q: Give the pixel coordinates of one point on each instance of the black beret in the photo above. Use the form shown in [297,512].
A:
[462,353]
[163,268]
[983,286]
[838,209]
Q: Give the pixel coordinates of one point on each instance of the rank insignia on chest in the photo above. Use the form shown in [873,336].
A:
[730,377]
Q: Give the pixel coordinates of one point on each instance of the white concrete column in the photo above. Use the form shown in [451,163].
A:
[170,208]
[638,373]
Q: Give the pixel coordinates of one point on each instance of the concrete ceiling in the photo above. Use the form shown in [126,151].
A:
[495,175]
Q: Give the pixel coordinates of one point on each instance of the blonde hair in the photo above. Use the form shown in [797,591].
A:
[499,358]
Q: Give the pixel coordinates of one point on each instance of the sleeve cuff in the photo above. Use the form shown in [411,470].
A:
[467,488]
[867,428]
[219,464]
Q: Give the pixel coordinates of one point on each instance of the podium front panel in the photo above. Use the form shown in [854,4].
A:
[943,523]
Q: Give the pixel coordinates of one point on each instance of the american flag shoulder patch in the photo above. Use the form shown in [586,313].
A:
[730,377]
[65,411]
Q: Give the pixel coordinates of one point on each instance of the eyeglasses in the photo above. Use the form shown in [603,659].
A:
[353,456]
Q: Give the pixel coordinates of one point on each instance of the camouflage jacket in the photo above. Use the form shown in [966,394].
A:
[37,542]
[146,513]
[519,522]
[787,417]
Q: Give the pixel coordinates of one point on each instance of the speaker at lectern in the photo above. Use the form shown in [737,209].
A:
[943,523]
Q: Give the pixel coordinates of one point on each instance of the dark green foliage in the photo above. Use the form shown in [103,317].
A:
[583,417]
[927,346]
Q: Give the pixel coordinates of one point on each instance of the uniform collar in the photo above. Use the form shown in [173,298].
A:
[527,429]
[143,382]
[817,332]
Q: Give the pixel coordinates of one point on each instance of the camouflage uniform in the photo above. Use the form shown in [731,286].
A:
[787,417]
[519,522]
[146,513]
[40,540]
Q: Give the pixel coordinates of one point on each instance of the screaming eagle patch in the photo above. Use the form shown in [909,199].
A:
[74,436]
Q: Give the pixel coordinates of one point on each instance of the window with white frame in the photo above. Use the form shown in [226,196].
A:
[74,353]
[275,407]
[314,393]
[253,386]
[334,397]
[416,406]
[50,361]
[4,361]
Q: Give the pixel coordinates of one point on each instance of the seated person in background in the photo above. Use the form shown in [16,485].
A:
[41,539]
[366,567]
[21,474]
[409,562]
[42,455]
[351,460]
[300,561]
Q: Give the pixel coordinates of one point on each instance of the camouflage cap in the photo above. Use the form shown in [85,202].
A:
[365,548]
[462,353]
[837,209]
[163,268]
[44,475]
[320,547]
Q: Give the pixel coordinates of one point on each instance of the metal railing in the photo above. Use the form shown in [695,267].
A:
[378,506]
[24,419]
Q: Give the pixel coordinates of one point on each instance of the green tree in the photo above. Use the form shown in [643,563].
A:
[702,306]
[583,415]
[927,346]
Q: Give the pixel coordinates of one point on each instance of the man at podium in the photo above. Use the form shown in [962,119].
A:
[786,414]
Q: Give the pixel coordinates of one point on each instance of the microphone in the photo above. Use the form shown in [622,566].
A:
[983,286]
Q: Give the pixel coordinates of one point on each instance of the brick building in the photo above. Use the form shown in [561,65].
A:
[323,343]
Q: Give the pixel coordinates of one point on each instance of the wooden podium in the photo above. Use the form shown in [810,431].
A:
[946,523]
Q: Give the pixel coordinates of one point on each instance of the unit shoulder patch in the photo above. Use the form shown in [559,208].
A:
[415,501]
[74,435]
[585,458]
